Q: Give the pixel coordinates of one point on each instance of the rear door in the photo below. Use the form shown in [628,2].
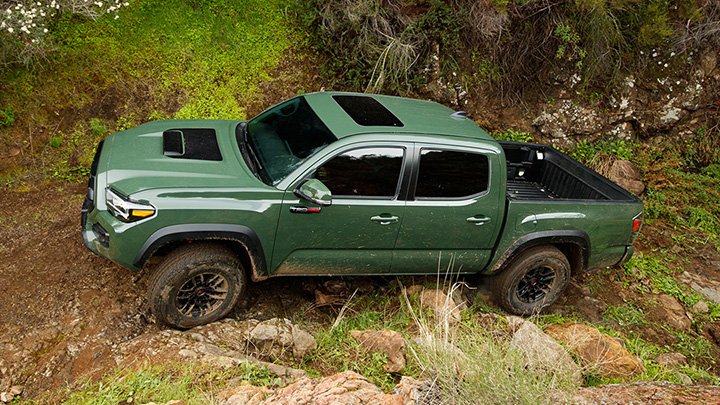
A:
[454,210]
[357,233]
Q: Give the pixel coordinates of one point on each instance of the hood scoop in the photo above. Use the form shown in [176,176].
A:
[191,143]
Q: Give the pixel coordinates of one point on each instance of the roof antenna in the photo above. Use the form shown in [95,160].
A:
[459,115]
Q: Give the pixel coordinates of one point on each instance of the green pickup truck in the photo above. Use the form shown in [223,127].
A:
[346,184]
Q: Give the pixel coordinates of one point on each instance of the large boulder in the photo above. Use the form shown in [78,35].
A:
[343,388]
[627,176]
[540,351]
[643,393]
[385,341]
[670,311]
[598,352]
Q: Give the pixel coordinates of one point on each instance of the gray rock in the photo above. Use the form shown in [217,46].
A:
[541,352]
[415,392]
[701,307]
[671,359]
[303,342]
[711,294]
[684,378]
[275,336]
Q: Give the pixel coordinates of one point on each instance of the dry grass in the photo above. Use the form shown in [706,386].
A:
[469,364]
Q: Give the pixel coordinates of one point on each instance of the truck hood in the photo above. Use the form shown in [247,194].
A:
[135,160]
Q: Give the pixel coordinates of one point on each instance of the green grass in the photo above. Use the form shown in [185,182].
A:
[337,351]
[586,152]
[652,274]
[513,136]
[625,315]
[160,59]
[195,383]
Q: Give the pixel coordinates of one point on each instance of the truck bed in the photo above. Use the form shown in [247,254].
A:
[539,172]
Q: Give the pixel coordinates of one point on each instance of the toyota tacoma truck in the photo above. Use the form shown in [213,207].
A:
[346,184]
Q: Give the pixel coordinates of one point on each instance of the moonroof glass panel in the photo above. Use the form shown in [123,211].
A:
[367,111]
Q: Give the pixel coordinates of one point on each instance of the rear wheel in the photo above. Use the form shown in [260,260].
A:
[534,280]
[196,284]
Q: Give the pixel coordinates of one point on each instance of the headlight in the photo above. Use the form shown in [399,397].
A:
[126,210]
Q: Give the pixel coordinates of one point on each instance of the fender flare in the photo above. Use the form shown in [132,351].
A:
[195,232]
[525,242]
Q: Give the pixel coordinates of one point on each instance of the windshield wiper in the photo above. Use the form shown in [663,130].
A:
[257,168]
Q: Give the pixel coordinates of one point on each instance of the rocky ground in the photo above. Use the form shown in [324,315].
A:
[66,315]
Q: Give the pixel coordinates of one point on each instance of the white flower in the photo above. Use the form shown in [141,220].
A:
[10,30]
[45,30]
[117,16]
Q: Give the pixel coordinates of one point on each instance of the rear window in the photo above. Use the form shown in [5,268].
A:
[367,111]
[451,174]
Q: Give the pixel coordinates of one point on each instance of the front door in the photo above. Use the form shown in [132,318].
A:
[453,220]
[357,233]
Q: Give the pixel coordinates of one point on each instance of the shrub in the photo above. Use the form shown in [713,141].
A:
[380,46]
[26,24]
[7,117]
[513,136]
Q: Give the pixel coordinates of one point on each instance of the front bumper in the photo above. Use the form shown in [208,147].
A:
[109,238]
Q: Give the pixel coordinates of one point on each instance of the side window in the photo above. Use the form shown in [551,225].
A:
[451,174]
[367,172]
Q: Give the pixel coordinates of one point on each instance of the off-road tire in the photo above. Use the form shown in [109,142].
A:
[184,266]
[516,288]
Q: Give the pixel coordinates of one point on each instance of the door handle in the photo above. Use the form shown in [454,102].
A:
[479,221]
[385,220]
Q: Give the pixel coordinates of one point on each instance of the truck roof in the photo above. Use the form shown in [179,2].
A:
[348,114]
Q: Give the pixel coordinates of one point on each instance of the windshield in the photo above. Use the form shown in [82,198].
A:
[285,135]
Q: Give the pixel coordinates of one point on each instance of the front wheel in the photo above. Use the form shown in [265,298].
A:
[196,284]
[534,280]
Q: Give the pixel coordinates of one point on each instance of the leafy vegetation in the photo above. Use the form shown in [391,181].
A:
[513,136]
[7,117]
[159,59]
[338,351]
[393,46]
[587,152]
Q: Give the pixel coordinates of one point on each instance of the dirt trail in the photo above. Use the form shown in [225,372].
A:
[64,310]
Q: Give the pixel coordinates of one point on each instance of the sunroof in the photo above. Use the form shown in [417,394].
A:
[367,111]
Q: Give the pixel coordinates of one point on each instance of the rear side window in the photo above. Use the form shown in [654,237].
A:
[367,172]
[451,174]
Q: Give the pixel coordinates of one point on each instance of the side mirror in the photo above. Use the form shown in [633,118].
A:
[314,191]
